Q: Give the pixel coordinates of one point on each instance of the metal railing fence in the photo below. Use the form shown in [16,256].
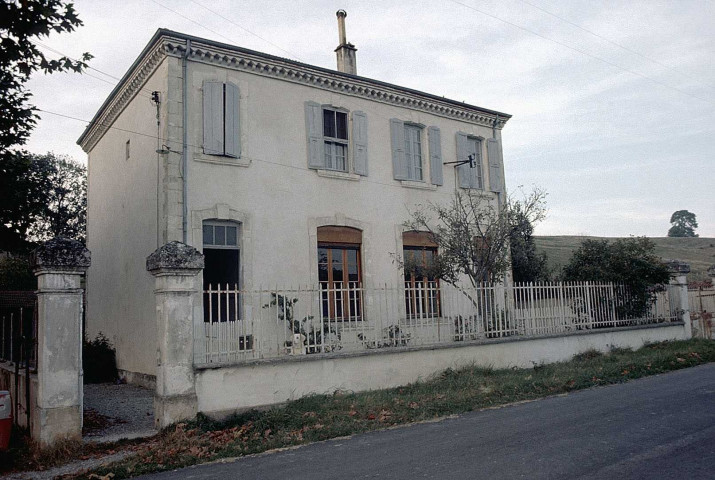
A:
[241,325]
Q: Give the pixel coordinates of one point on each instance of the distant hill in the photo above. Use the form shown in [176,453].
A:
[698,252]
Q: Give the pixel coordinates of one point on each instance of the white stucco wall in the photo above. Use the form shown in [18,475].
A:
[223,390]
[283,202]
[122,232]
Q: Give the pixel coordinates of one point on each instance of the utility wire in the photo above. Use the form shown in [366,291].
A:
[583,52]
[686,75]
[193,21]
[47,47]
[247,30]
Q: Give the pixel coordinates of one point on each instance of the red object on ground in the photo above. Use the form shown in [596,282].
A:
[5,419]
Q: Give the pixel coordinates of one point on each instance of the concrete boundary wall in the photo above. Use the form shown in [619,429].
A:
[230,388]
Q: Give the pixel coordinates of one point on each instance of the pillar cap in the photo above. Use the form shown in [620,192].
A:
[711,271]
[677,267]
[61,253]
[176,256]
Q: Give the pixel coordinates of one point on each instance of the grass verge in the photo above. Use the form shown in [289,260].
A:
[321,417]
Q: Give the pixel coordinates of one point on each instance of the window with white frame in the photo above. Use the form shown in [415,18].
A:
[335,138]
[221,270]
[413,152]
[336,141]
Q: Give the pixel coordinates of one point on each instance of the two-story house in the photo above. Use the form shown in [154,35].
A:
[283,174]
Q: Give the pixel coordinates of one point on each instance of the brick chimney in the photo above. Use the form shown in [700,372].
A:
[345,51]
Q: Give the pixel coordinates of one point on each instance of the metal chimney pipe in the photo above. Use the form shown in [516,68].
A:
[341,14]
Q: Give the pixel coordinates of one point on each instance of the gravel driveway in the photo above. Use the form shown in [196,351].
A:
[129,410]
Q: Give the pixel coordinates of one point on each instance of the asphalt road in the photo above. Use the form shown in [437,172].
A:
[660,427]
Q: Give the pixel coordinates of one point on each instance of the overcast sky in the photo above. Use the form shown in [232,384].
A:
[613,103]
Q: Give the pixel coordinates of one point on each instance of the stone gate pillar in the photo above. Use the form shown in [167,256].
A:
[175,267]
[679,295]
[59,265]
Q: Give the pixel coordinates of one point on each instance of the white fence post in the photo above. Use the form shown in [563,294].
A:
[59,265]
[678,278]
[175,267]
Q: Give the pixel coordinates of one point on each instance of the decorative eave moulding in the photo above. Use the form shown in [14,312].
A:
[284,70]
[122,95]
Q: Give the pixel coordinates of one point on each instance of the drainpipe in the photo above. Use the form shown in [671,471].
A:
[185,146]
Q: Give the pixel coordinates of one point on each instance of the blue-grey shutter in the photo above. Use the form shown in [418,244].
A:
[314,126]
[496,182]
[360,143]
[435,155]
[213,118]
[232,132]
[399,163]
[464,173]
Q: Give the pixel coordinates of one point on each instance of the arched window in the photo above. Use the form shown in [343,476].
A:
[339,272]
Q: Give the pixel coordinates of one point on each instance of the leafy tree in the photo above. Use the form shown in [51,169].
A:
[45,197]
[628,261]
[684,224]
[64,212]
[20,23]
[473,234]
[527,265]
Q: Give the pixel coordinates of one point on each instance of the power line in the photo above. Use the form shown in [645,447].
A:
[616,44]
[194,21]
[246,30]
[583,52]
[47,47]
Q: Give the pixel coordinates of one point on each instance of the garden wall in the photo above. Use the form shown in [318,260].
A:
[224,389]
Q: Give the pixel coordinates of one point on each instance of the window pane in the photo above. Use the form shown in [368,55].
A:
[352,256]
[340,154]
[231,235]
[322,255]
[337,272]
[328,123]
[220,235]
[322,272]
[208,235]
[328,155]
[342,125]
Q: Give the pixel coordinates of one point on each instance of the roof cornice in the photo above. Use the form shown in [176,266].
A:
[169,43]
[127,88]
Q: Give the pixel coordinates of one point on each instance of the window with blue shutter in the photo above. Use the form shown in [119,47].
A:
[469,173]
[221,119]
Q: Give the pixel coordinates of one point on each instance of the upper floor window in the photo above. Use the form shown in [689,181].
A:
[221,119]
[413,152]
[409,155]
[335,135]
[470,173]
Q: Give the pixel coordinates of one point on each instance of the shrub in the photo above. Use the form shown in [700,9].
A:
[99,360]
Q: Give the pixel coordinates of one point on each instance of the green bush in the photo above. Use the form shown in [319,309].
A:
[99,360]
